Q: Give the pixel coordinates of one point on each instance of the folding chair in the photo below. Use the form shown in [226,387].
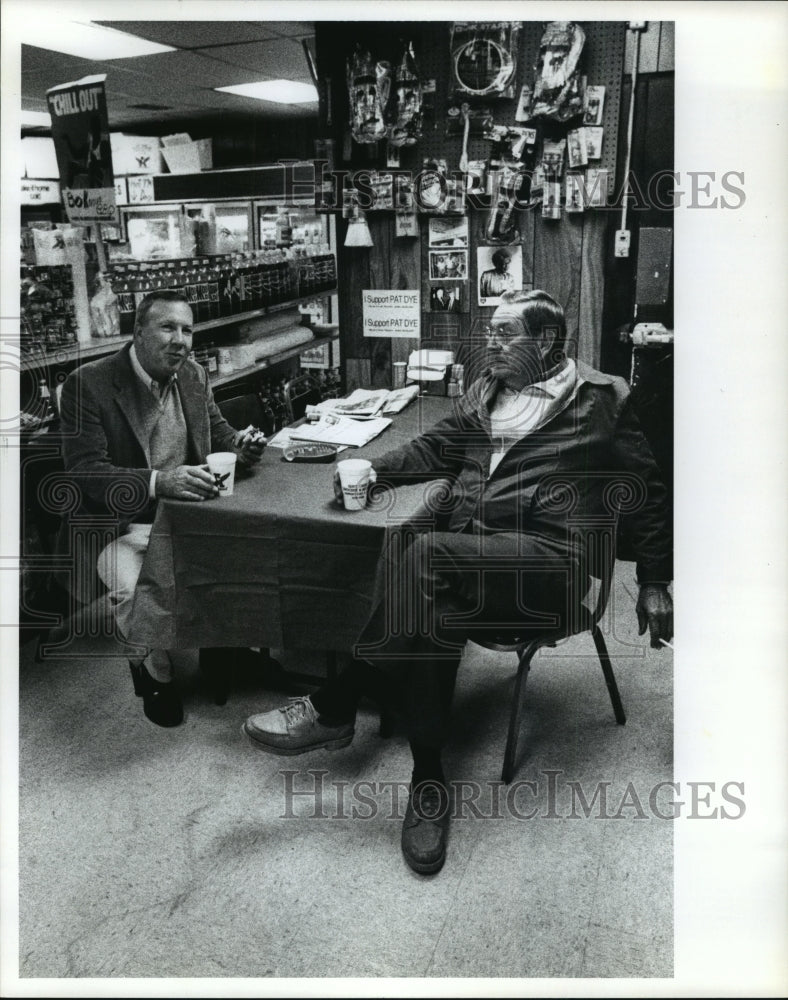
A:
[601,553]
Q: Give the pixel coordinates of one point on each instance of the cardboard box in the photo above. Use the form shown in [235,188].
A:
[135,154]
[189,157]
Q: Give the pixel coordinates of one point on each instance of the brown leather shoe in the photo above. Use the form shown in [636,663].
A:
[425,828]
[296,728]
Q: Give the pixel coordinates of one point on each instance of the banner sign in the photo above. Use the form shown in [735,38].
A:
[80,130]
[394,313]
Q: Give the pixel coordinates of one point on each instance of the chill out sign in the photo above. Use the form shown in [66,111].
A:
[391,313]
[80,131]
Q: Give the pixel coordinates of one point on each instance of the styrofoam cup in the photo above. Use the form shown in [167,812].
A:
[221,465]
[354,477]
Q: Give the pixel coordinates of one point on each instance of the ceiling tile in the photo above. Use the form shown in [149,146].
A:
[280,59]
[195,34]
[294,29]
[236,52]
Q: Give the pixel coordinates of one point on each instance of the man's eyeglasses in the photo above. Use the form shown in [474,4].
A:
[503,329]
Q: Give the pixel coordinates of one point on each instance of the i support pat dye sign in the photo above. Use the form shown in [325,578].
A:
[394,313]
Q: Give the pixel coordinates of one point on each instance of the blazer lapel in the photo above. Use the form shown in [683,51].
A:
[137,404]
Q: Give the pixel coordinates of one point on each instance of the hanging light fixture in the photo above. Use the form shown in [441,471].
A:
[358,234]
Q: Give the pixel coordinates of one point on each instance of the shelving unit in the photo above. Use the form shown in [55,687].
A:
[269,362]
[96,348]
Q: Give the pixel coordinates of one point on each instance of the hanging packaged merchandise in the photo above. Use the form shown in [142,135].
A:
[406,128]
[558,87]
[369,86]
[104,311]
[484,57]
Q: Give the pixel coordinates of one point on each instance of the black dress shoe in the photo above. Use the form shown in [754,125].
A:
[160,702]
[425,828]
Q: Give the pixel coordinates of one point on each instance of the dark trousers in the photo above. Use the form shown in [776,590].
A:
[436,589]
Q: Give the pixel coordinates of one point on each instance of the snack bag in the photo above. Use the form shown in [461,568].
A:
[406,128]
[369,86]
[557,86]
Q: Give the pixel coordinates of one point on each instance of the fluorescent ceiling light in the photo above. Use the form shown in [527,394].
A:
[278,91]
[86,40]
[36,119]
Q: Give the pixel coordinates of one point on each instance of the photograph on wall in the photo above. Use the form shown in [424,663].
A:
[448,232]
[500,269]
[449,265]
[449,296]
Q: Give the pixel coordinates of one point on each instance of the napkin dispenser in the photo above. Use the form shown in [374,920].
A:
[431,368]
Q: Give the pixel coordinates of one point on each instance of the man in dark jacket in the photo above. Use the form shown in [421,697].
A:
[137,426]
[537,449]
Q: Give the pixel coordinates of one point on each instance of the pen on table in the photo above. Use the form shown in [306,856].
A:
[666,643]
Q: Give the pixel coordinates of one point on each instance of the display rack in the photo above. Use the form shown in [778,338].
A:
[99,347]
[269,362]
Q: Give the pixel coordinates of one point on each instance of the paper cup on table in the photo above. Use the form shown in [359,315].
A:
[221,465]
[399,374]
[354,477]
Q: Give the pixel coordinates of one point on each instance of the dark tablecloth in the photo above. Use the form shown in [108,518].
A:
[279,563]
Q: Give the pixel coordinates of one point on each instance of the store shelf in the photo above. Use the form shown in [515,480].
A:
[73,352]
[274,359]
[108,345]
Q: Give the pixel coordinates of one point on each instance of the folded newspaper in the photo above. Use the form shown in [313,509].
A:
[335,429]
[366,404]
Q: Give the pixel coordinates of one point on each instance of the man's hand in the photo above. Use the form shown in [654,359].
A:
[655,610]
[187,482]
[251,445]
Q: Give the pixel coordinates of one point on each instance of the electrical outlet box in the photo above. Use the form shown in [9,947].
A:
[623,237]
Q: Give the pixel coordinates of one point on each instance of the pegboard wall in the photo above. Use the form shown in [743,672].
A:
[565,256]
[602,62]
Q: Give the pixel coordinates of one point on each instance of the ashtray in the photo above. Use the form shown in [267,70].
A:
[309,453]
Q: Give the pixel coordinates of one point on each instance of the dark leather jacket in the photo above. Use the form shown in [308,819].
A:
[585,467]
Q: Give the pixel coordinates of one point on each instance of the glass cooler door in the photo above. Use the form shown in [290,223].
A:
[153,232]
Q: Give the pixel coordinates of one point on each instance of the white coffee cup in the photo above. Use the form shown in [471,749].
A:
[354,477]
[221,465]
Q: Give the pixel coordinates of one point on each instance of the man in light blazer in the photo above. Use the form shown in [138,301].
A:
[137,426]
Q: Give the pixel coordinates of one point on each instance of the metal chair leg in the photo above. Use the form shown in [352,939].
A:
[610,678]
[515,715]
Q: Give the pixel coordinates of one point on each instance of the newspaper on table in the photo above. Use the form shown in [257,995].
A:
[367,404]
[335,429]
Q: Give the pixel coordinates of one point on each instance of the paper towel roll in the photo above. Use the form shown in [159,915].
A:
[281,341]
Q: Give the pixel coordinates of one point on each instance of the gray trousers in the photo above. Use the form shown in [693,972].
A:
[435,590]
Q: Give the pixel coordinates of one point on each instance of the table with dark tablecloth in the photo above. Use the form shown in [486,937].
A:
[277,564]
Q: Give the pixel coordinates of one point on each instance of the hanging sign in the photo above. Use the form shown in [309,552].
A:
[391,313]
[80,130]
[40,192]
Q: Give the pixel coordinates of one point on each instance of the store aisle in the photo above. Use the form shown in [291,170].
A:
[169,853]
